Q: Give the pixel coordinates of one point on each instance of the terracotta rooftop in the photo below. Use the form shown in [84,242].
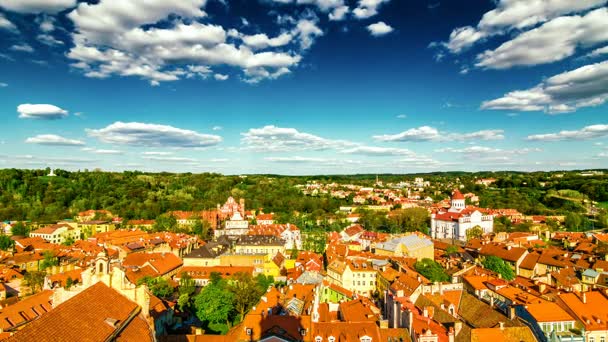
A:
[96,314]
[26,310]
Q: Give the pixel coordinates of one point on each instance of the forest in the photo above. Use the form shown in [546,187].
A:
[32,195]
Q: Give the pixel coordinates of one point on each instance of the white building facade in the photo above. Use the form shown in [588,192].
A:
[454,223]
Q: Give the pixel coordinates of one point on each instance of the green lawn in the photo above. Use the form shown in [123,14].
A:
[603,205]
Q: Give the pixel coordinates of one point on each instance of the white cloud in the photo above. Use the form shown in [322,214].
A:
[473,151]
[598,52]
[6,24]
[427,133]
[47,24]
[37,6]
[111,39]
[401,116]
[41,111]
[279,139]
[220,77]
[379,29]
[145,134]
[339,13]
[515,15]
[585,133]
[169,159]
[553,41]
[368,8]
[102,151]
[337,8]
[3,85]
[262,41]
[217,128]
[49,40]
[53,140]
[157,153]
[23,47]
[295,159]
[583,87]
[155,54]
[378,151]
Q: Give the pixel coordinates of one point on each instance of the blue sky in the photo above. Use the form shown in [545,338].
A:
[304,86]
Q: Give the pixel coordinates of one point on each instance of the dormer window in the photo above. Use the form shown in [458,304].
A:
[318,339]
[331,339]
[365,339]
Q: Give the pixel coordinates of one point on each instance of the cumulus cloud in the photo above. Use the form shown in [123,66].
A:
[336,8]
[514,15]
[378,151]
[379,29]
[41,111]
[368,8]
[585,133]
[427,133]
[145,134]
[37,6]
[279,139]
[339,13]
[115,38]
[551,42]
[53,140]
[566,92]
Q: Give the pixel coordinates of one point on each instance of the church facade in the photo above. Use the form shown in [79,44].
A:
[454,222]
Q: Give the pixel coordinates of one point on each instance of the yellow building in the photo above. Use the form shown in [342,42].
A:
[413,246]
[357,276]
[90,228]
[257,261]
[260,244]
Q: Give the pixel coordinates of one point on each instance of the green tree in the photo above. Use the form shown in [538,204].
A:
[214,304]
[165,223]
[246,292]
[451,249]
[573,221]
[431,270]
[68,283]
[69,241]
[496,264]
[50,260]
[410,220]
[20,229]
[34,280]
[186,288]
[474,232]
[6,243]
[202,228]
[159,286]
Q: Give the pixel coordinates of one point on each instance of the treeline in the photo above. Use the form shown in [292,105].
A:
[31,195]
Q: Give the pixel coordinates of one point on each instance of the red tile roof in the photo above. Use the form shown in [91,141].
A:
[95,314]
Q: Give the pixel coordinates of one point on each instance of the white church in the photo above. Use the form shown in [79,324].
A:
[454,223]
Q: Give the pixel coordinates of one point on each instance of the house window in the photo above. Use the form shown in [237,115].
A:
[331,339]
[365,339]
[602,339]
[591,339]
[318,339]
